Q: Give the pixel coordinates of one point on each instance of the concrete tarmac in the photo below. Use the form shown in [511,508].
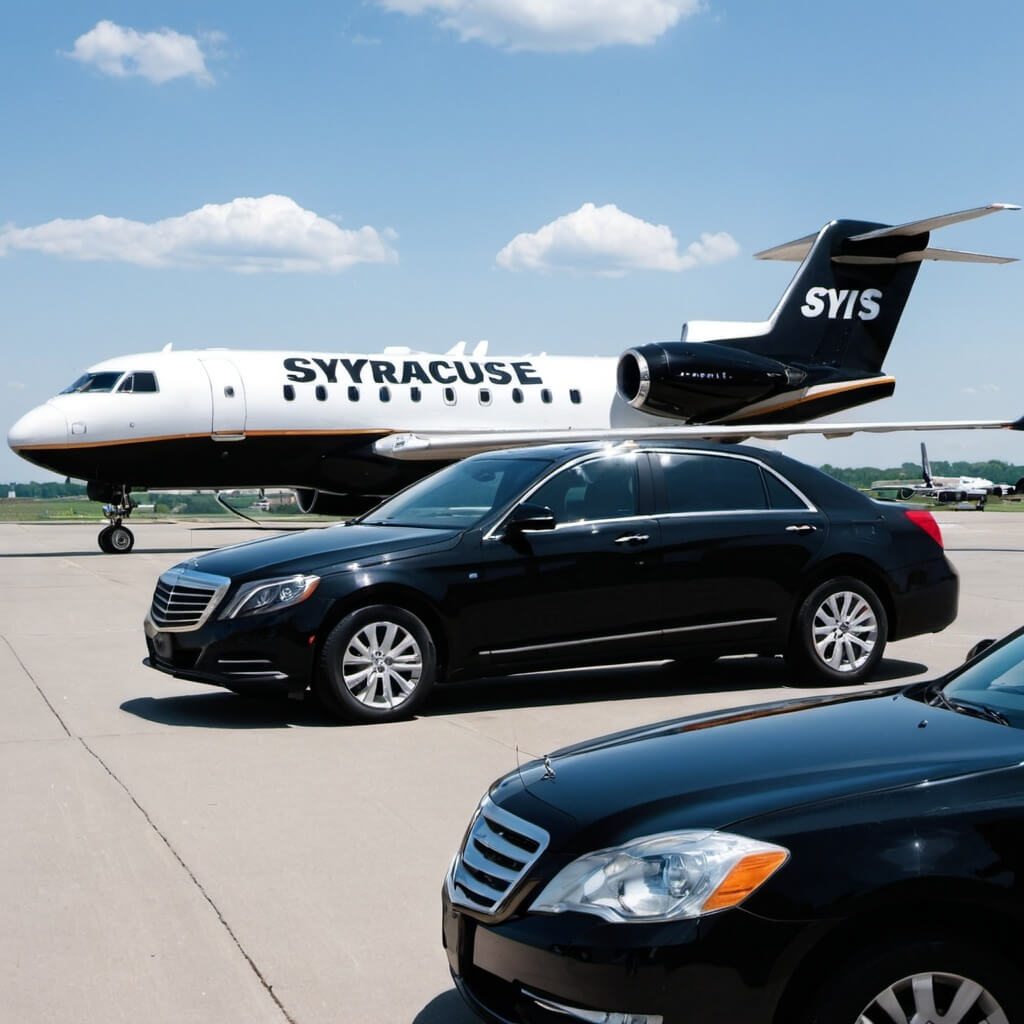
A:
[175,853]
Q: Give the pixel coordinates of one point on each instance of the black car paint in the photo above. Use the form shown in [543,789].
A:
[496,600]
[896,814]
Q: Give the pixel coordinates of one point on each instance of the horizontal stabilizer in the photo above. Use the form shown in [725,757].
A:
[427,446]
[795,250]
[946,255]
[919,227]
[800,247]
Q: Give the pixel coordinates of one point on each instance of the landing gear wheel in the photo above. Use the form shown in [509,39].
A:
[839,633]
[377,665]
[120,540]
[104,540]
[941,980]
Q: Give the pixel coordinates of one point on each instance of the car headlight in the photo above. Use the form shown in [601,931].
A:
[663,877]
[270,595]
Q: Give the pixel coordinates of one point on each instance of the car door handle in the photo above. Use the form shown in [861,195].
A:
[633,538]
[801,528]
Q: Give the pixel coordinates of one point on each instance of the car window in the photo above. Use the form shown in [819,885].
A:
[711,483]
[602,488]
[460,496]
[779,495]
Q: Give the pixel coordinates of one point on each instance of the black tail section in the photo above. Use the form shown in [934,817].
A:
[843,306]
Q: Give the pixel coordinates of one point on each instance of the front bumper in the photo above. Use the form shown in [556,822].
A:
[273,654]
[732,966]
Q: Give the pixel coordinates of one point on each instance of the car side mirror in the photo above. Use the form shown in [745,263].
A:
[528,516]
[981,645]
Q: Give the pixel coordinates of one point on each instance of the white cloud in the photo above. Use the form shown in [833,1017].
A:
[271,233]
[156,56]
[554,25]
[605,240]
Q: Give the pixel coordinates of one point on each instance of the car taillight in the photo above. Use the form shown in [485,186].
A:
[926,521]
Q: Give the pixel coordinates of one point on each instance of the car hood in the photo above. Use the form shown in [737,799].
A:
[715,770]
[319,550]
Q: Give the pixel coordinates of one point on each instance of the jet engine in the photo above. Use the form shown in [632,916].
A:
[699,380]
[326,503]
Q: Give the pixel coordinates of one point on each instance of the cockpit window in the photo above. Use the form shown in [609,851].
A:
[102,381]
[139,381]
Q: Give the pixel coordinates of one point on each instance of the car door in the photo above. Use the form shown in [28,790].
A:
[735,538]
[583,591]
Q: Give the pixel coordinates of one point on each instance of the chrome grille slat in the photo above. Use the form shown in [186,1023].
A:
[476,860]
[484,884]
[185,598]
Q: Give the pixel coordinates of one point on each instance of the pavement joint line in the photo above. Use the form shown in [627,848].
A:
[268,988]
[39,689]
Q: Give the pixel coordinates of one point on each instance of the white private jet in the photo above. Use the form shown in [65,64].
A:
[948,489]
[346,430]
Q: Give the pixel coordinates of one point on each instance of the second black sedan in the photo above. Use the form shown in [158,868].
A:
[560,556]
[846,859]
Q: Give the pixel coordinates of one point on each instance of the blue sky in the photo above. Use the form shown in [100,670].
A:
[414,140]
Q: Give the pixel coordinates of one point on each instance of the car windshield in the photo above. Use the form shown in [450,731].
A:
[460,496]
[993,683]
[103,381]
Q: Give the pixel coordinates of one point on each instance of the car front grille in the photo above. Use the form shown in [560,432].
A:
[499,850]
[184,599]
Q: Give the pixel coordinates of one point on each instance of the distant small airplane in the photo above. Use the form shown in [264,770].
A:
[345,430]
[948,489]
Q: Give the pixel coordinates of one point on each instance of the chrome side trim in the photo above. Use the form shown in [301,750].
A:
[591,1016]
[630,636]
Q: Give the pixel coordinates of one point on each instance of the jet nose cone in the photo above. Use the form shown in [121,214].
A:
[39,428]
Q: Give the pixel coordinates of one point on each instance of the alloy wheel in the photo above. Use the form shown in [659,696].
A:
[934,997]
[382,665]
[845,629]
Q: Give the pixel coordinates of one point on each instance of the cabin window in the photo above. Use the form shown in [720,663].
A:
[449,396]
[321,393]
[415,394]
[104,381]
[139,382]
[545,396]
[289,392]
[229,392]
[485,396]
[353,393]
[517,396]
[385,394]
[574,396]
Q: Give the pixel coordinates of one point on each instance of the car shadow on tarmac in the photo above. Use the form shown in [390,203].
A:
[222,710]
[447,1008]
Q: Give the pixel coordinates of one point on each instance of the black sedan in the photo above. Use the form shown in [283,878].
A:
[853,859]
[560,556]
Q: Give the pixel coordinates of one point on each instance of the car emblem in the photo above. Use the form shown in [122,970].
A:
[549,772]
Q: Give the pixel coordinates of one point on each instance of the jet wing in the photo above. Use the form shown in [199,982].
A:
[428,445]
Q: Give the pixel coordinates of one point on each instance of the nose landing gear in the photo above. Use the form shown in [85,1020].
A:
[117,539]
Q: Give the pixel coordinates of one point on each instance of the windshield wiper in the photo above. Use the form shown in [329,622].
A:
[939,699]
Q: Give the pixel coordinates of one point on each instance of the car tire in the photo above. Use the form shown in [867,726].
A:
[378,664]
[921,975]
[839,633]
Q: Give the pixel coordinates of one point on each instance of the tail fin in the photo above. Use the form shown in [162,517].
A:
[926,467]
[843,305]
